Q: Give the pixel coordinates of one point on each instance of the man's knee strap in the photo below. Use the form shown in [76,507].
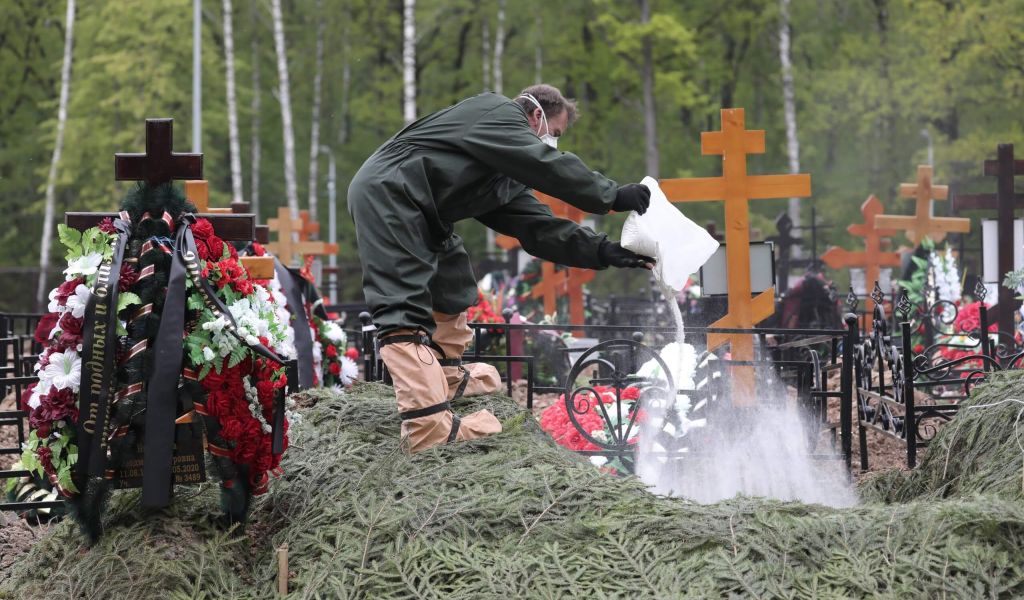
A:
[422,340]
[424,412]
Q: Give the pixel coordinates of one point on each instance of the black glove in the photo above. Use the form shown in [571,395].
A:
[632,196]
[612,254]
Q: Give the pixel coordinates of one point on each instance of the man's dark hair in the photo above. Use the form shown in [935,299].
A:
[551,100]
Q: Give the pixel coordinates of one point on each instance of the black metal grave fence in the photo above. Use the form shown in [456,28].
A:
[804,359]
[908,395]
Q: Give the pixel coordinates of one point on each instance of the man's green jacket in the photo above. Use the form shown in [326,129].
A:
[477,159]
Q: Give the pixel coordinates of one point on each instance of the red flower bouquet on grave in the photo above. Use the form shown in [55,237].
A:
[556,422]
[51,450]
[239,384]
[330,341]
[487,310]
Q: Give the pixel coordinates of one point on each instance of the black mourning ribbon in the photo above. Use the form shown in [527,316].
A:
[97,380]
[296,306]
[163,384]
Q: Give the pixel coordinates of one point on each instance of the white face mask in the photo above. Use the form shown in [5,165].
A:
[547,138]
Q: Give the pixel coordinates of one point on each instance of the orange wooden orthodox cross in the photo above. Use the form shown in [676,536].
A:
[736,188]
[923,223]
[309,228]
[289,251]
[872,258]
[198,193]
[567,282]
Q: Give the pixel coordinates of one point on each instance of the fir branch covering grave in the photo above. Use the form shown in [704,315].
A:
[515,516]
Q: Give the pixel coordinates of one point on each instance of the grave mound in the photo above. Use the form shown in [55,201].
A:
[515,516]
[981,451]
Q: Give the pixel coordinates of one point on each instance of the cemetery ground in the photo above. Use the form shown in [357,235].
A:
[517,516]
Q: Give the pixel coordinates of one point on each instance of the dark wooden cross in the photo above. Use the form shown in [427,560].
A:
[783,240]
[160,164]
[1005,201]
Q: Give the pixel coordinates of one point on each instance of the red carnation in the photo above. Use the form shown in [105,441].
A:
[67,288]
[25,395]
[242,286]
[46,457]
[128,277]
[335,368]
[258,249]
[106,225]
[202,229]
[332,351]
[230,428]
[71,331]
[45,326]
[216,247]
[919,348]
[352,353]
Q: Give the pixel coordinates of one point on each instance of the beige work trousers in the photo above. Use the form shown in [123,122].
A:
[453,335]
[420,383]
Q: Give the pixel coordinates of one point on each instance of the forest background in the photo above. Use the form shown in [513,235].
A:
[878,87]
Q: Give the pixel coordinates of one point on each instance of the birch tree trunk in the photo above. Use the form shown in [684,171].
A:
[344,129]
[409,61]
[538,52]
[499,49]
[650,120]
[229,68]
[58,146]
[256,148]
[789,110]
[286,110]
[314,133]
[485,59]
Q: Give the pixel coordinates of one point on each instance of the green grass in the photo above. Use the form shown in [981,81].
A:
[515,516]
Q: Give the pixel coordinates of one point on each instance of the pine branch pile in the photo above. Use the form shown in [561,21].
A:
[981,451]
[515,516]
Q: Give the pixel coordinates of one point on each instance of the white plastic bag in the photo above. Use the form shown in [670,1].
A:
[679,245]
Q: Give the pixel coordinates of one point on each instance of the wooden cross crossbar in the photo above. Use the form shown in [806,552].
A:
[1005,201]
[923,223]
[736,189]
[553,283]
[198,193]
[872,258]
[288,250]
[159,164]
[230,228]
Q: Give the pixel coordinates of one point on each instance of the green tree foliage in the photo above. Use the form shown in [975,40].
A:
[870,75]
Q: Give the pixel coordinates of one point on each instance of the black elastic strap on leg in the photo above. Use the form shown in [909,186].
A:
[462,386]
[456,421]
[424,412]
[423,340]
